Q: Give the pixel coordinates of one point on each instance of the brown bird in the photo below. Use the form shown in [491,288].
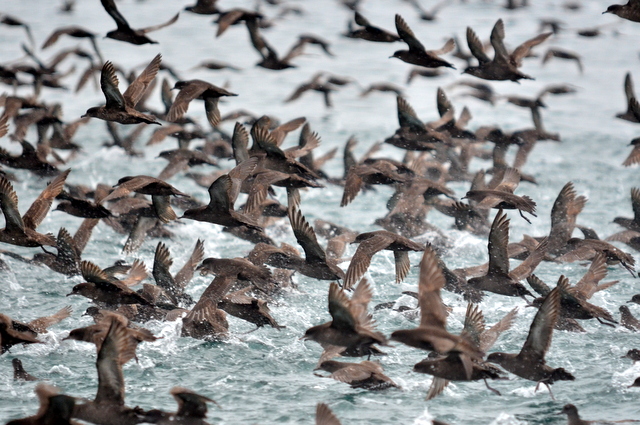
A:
[19,374]
[197,89]
[504,66]
[236,268]
[629,93]
[108,406]
[373,242]
[451,367]
[432,334]
[367,374]
[574,304]
[562,54]
[529,363]
[21,231]
[55,408]
[352,326]
[499,279]
[127,34]
[159,190]
[417,54]
[628,320]
[192,409]
[176,284]
[72,31]
[223,193]
[121,107]
[502,196]
[369,32]
[629,11]
[632,223]
[104,289]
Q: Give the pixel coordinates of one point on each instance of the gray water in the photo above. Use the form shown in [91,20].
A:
[266,376]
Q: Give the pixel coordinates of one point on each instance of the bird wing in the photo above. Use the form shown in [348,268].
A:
[9,205]
[324,415]
[181,103]
[362,258]
[159,26]
[184,276]
[109,85]
[136,90]
[407,35]
[541,330]
[497,41]
[498,241]
[430,281]
[40,207]
[339,308]
[305,235]
[115,346]
[475,46]
[522,50]
[112,10]
[41,324]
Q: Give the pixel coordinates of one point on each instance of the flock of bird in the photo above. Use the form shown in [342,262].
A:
[435,154]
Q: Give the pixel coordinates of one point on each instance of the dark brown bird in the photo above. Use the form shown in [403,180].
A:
[103,289]
[108,406]
[451,368]
[529,363]
[574,304]
[55,408]
[504,66]
[192,409]
[628,320]
[629,93]
[121,107]
[499,279]
[432,334]
[159,190]
[633,354]
[19,374]
[629,11]
[369,32]
[75,32]
[417,54]
[21,231]
[352,326]
[502,196]
[248,308]
[176,284]
[563,54]
[197,89]
[373,242]
[367,374]
[236,268]
[127,34]
[632,223]
[223,193]
[204,7]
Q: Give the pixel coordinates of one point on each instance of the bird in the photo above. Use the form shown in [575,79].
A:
[502,196]
[197,89]
[19,374]
[431,333]
[367,374]
[504,66]
[629,93]
[192,409]
[417,54]
[373,242]
[21,231]
[369,32]
[499,279]
[629,10]
[121,107]
[529,363]
[127,34]
[352,326]
[628,320]
[55,408]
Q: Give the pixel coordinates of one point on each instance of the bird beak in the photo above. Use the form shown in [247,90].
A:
[82,116]
[70,294]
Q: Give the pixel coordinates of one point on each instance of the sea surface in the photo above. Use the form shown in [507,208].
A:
[266,376]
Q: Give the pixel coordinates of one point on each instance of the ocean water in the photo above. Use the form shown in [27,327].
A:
[266,376]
